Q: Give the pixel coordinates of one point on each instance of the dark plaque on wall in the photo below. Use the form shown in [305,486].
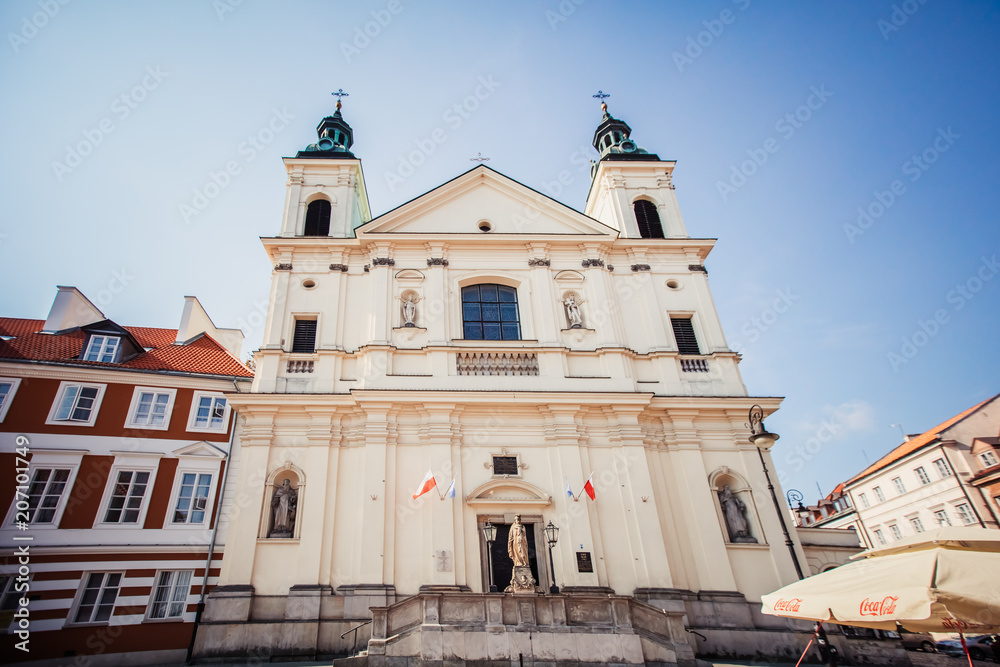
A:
[583,562]
[504,465]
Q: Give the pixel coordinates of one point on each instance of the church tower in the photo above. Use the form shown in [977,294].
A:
[484,362]
[632,189]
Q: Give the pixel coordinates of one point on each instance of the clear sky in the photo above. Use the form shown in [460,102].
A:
[844,154]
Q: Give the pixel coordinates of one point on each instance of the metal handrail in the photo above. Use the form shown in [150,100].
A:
[354,642]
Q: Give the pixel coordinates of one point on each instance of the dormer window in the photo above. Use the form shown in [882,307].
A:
[102,348]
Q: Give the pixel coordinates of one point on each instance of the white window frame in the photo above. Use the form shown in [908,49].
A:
[879,496]
[175,495]
[126,466]
[171,592]
[922,475]
[937,517]
[57,510]
[942,467]
[966,513]
[879,536]
[916,524]
[133,408]
[193,415]
[988,458]
[898,483]
[103,349]
[60,394]
[5,405]
[897,534]
[47,459]
[78,600]
[864,501]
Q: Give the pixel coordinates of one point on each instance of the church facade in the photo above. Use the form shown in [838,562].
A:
[500,349]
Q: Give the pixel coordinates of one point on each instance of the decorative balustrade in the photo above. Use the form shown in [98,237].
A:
[694,365]
[300,366]
[497,363]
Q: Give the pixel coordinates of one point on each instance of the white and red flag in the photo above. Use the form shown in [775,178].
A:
[426,485]
[588,488]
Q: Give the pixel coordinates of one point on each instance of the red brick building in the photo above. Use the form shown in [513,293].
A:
[114,448]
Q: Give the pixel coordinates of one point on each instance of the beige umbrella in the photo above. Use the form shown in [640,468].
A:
[944,580]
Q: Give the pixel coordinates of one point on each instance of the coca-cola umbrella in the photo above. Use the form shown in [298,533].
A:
[944,580]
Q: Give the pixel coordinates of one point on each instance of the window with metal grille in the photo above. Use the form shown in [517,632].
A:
[489,312]
[304,339]
[504,465]
[318,218]
[684,335]
[648,219]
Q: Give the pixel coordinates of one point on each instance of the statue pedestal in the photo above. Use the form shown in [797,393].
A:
[522,581]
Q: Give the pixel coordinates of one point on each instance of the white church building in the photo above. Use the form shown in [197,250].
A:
[515,348]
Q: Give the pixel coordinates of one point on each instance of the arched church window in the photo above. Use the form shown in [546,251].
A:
[648,219]
[318,218]
[489,312]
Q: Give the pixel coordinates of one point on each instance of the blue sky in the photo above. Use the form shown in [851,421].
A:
[785,120]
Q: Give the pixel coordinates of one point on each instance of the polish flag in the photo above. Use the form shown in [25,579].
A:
[426,485]
[589,487]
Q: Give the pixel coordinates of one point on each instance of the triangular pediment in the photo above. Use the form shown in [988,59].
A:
[461,205]
[202,449]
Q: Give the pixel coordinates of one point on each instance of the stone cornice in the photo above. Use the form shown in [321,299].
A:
[137,376]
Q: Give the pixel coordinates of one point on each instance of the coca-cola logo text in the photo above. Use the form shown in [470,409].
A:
[787,605]
[882,607]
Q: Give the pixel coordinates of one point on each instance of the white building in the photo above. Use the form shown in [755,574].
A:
[925,481]
[514,345]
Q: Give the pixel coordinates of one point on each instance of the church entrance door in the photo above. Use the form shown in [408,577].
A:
[503,566]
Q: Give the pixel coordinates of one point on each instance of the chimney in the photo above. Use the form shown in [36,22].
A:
[71,309]
[195,321]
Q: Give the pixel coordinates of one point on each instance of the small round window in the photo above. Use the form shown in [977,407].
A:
[485,226]
[309,284]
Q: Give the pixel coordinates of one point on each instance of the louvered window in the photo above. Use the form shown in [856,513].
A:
[684,335]
[305,336]
[648,219]
[318,218]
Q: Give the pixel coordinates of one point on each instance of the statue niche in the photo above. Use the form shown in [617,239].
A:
[734,511]
[284,506]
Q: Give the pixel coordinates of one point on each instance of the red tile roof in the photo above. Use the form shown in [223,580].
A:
[916,442]
[202,356]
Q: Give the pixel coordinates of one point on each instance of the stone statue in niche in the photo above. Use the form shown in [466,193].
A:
[735,511]
[409,310]
[521,581]
[573,311]
[284,502]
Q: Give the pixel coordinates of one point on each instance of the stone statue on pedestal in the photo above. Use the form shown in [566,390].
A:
[409,310]
[573,312]
[521,581]
[284,503]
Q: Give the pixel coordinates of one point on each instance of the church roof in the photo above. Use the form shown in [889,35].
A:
[23,340]
[916,442]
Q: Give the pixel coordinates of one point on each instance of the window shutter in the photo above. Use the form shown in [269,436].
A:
[648,219]
[318,219]
[305,336]
[684,335]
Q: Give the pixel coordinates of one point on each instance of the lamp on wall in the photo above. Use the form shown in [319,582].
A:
[763,440]
[795,496]
[490,533]
[552,536]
